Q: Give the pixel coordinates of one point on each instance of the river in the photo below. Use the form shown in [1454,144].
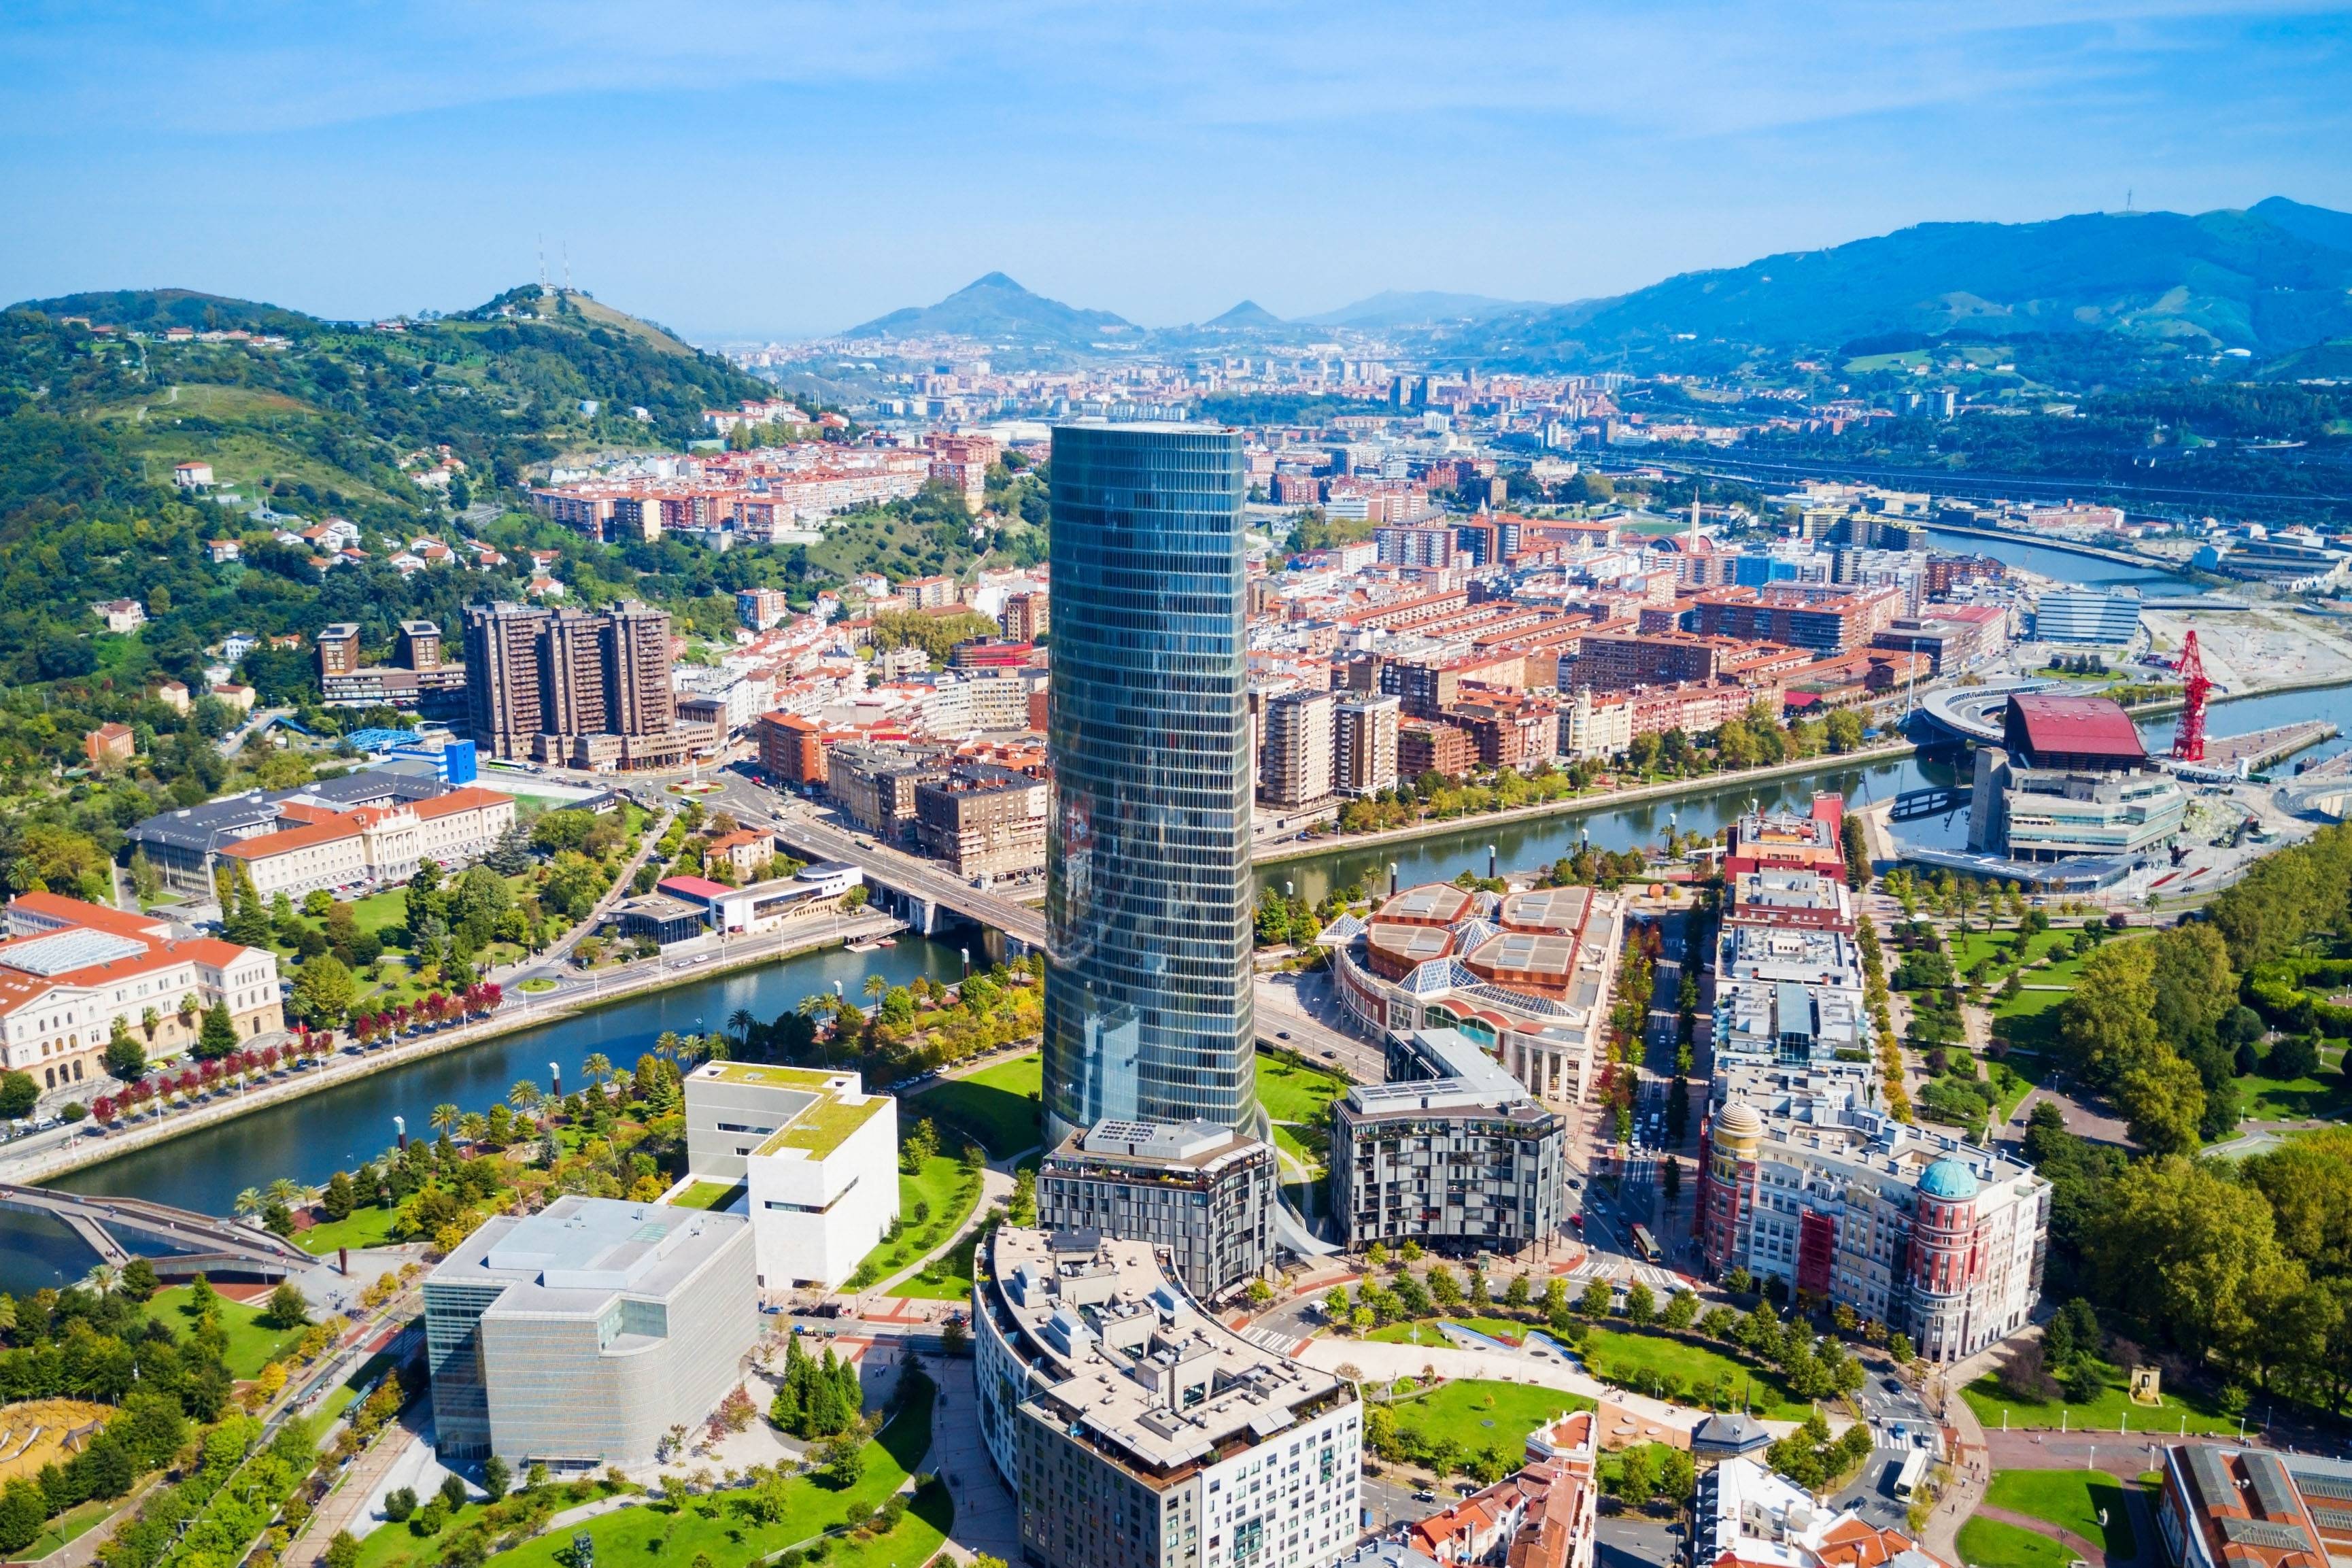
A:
[311,1138]
[308,1139]
[2064,565]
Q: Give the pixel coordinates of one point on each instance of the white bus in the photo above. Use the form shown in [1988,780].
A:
[1914,1471]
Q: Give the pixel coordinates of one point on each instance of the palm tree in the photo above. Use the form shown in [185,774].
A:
[473,1127]
[524,1095]
[288,1191]
[815,1003]
[444,1117]
[597,1067]
[876,987]
[665,1043]
[102,1277]
[742,1022]
[250,1202]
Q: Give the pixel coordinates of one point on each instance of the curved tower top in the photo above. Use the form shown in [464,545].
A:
[1148,880]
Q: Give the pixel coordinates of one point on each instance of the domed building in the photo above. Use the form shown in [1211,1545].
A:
[1804,1179]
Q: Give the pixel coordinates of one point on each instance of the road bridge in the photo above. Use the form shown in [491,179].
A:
[914,890]
[203,1245]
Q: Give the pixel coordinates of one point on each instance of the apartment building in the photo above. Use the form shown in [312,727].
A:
[579,688]
[1136,1431]
[1804,1180]
[985,822]
[792,749]
[1435,746]
[1463,1158]
[1364,744]
[416,677]
[1824,620]
[1295,766]
[875,784]
[1200,1192]
[70,970]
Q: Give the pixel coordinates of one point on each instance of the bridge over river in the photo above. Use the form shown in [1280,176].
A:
[202,1244]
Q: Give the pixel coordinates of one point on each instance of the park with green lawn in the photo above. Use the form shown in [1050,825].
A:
[932,1204]
[1298,1100]
[2072,1500]
[1990,1543]
[1473,1414]
[252,1343]
[744,1525]
[1699,1373]
[999,1105]
[2113,1410]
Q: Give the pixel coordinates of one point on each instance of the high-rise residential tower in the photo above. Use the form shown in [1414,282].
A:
[1147,888]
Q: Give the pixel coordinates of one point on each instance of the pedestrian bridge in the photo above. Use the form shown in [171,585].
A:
[202,1244]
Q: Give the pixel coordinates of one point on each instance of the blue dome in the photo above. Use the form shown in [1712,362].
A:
[1949,1180]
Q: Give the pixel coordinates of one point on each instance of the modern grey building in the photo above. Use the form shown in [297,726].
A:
[2080,616]
[1465,1156]
[1201,1192]
[1148,890]
[578,1336]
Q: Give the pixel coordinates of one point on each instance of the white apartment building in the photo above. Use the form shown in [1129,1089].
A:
[818,1158]
[68,969]
[1295,766]
[1138,1432]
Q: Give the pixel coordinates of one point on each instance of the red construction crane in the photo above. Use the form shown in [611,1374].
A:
[2189,735]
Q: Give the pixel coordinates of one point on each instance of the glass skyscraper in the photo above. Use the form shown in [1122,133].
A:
[1147,880]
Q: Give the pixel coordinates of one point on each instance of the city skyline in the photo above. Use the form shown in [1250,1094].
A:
[423,156]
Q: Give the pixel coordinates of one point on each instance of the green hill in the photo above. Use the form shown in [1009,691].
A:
[995,309]
[2269,280]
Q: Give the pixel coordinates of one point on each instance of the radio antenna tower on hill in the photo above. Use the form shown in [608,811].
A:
[2189,735]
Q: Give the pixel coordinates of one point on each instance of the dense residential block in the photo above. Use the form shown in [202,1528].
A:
[1203,1194]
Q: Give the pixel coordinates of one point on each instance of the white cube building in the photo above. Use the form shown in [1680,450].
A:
[817,1157]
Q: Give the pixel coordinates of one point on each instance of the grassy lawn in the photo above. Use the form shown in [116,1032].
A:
[378,911]
[950,1193]
[1701,1371]
[1293,1093]
[2299,1099]
[370,1226]
[1424,1333]
[1988,1544]
[2113,1408]
[2070,1499]
[69,1526]
[707,1195]
[252,1344]
[675,1533]
[341,1397]
[998,1105]
[1477,1414]
[953,1281]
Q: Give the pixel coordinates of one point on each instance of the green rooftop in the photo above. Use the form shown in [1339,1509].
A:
[819,1129]
[774,1077]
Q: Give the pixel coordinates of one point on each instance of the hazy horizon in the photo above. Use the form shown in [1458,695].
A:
[744,171]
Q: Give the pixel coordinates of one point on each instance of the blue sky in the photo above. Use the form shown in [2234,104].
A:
[756,169]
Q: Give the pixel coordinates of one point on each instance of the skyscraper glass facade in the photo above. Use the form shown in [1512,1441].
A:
[1147,886]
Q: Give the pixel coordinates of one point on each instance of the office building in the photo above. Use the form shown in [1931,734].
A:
[1526,976]
[1804,1180]
[2225,1507]
[1748,1516]
[2084,617]
[577,1337]
[1136,1431]
[1364,745]
[818,1158]
[70,971]
[2073,779]
[1203,1194]
[185,845]
[1149,883]
[1784,841]
[1789,993]
[1294,765]
[349,853]
[575,687]
[1464,1159]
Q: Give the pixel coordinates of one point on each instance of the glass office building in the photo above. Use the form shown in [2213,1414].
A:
[1147,874]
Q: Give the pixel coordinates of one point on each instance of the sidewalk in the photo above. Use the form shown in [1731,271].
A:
[1969,1461]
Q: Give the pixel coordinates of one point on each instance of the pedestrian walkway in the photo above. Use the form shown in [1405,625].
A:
[987,1520]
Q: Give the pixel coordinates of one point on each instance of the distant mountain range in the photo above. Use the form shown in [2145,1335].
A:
[2271,279]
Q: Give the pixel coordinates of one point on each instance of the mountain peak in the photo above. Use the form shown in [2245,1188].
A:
[1248,313]
[992,306]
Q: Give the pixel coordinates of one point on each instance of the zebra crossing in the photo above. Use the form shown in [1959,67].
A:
[1274,1339]
[1625,1270]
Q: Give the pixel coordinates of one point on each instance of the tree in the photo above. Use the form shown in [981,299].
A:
[2163,1098]
[126,1059]
[287,1308]
[139,1280]
[2193,1253]
[497,1476]
[1641,1305]
[399,1503]
[19,1092]
[2108,1019]
[1598,1299]
[843,1459]
[323,990]
[1518,1293]
[344,1551]
[217,1038]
